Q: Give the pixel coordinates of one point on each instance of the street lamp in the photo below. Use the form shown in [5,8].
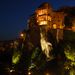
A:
[22,35]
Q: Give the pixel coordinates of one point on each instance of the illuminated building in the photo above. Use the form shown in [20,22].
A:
[44,14]
[47,19]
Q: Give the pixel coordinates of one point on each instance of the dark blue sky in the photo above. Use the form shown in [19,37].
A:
[14,14]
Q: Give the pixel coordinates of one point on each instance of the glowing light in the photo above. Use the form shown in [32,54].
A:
[16,58]
[42,12]
[46,46]
[29,73]
[22,35]
[12,70]
[43,16]
[39,12]
[61,27]
[43,23]
[49,18]
[54,26]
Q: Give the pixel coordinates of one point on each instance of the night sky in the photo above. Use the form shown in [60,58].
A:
[15,13]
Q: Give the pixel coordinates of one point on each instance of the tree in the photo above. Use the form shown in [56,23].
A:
[69,50]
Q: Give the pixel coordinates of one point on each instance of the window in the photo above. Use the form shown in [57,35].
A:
[49,18]
[54,26]
[43,23]
[42,12]
[61,27]
[44,18]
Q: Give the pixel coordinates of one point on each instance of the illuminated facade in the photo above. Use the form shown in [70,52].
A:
[45,17]
[44,14]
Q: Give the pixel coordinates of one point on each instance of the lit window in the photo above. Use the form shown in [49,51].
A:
[43,18]
[40,18]
[61,27]
[49,18]
[43,11]
[54,26]
[43,23]
[39,12]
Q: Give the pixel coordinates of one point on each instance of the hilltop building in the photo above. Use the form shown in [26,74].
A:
[46,19]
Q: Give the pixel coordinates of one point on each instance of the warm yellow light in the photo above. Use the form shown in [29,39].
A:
[40,18]
[45,11]
[47,73]
[22,35]
[61,27]
[42,11]
[39,12]
[54,26]
[29,73]
[49,18]
[43,23]
[43,17]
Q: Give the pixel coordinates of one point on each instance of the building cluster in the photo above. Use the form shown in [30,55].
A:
[46,20]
